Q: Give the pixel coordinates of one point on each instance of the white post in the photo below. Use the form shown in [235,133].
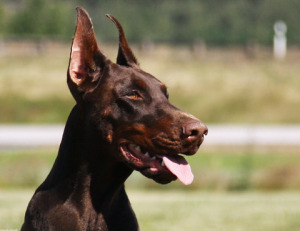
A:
[279,46]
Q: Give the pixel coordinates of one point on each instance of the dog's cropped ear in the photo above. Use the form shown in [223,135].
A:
[125,54]
[86,60]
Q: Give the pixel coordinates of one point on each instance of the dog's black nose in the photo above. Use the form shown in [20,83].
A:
[194,131]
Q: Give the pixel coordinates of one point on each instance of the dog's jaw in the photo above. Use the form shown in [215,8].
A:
[161,168]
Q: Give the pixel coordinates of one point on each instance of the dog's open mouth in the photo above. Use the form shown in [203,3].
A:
[166,167]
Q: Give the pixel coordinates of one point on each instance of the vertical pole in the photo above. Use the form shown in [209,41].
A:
[279,42]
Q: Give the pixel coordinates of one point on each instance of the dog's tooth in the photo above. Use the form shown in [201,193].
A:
[138,148]
[163,163]
[153,157]
[147,154]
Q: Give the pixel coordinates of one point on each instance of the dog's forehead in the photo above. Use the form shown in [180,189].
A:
[137,77]
[145,77]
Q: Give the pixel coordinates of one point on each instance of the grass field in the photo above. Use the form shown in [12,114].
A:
[218,86]
[171,210]
[226,170]
[233,188]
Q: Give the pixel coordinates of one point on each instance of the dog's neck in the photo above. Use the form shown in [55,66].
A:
[83,170]
[88,182]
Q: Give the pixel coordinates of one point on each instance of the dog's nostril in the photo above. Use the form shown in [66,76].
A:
[194,130]
[194,133]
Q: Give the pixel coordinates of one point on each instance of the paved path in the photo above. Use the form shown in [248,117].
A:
[22,136]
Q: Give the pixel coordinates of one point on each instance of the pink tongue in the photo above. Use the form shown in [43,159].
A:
[180,168]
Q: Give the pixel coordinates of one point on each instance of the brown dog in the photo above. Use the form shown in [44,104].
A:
[122,121]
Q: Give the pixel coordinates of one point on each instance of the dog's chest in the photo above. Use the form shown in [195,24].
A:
[96,223]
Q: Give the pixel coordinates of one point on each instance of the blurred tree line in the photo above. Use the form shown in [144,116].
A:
[216,22]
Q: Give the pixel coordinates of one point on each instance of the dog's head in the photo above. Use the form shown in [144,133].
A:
[129,108]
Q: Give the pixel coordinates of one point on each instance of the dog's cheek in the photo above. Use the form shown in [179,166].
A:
[103,128]
[109,137]
[103,122]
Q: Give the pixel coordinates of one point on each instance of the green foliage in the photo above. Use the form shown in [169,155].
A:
[40,18]
[1,14]
[225,22]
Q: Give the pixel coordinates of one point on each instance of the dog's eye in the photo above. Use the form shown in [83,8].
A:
[134,95]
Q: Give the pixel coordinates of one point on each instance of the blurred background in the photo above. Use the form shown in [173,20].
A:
[232,63]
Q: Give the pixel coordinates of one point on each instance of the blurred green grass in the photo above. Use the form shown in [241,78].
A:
[227,170]
[187,210]
[221,86]
[218,86]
